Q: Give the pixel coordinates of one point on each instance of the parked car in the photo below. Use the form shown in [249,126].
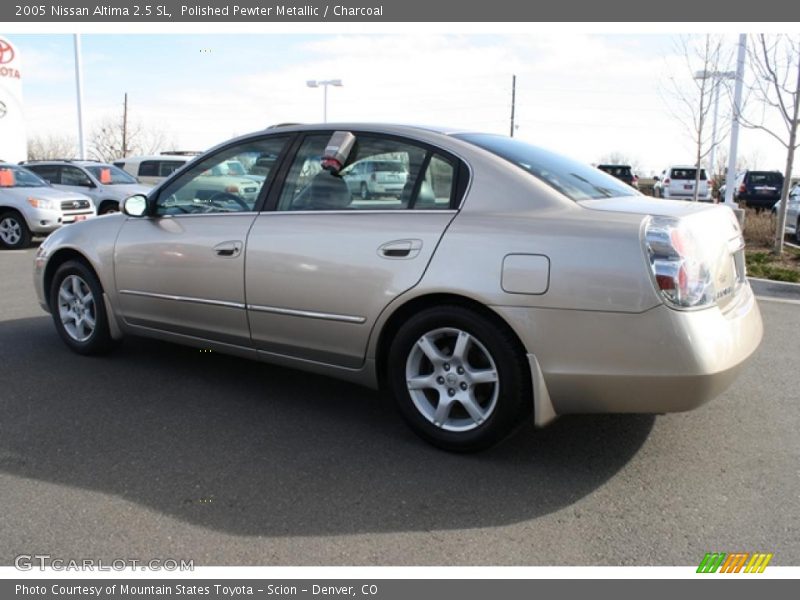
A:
[153,169]
[677,183]
[31,206]
[758,189]
[516,284]
[376,176]
[621,172]
[792,213]
[105,184]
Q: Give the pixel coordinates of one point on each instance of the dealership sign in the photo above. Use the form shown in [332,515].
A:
[13,141]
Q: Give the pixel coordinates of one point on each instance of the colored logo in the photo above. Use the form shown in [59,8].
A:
[736,562]
[6,52]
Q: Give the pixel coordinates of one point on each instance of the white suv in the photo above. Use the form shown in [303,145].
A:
[29,205]
[153,169]
[677,183]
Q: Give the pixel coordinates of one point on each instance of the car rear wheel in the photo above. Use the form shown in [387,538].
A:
[459,381]
[79,313]
[14,232]
[364,191]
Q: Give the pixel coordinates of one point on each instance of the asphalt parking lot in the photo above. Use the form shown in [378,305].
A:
[163,451]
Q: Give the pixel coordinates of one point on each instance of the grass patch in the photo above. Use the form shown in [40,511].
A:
[765,265]
[759,238]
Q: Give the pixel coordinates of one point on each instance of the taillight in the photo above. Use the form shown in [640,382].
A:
[232,189]
[666,181]
[742,189]
[681,275]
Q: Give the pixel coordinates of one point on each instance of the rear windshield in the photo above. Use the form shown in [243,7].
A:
[576,180]
[687,174]
[394,167]
[767,178]
[616,171]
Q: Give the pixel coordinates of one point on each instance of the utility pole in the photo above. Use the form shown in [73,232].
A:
[513,101]
[125,126]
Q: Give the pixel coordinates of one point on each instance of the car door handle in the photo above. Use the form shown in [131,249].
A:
[400,249]
[228,249]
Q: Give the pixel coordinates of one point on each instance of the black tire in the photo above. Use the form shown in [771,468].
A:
[99,340]
[797,231]
[108,207]
[14,232]
[506,408]
[364,191]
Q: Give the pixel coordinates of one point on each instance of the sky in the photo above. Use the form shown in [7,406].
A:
[582,94]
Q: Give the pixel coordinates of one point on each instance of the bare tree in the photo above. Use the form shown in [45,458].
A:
[775,61]
[693,99]
[111,138]
[45,147]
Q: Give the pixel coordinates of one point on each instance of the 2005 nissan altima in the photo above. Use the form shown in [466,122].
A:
[503,283]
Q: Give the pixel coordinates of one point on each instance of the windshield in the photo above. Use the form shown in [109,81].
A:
[110,175]
[767,178]
[577,181]
[17,177]
[682,174]
[616,171]
[392,167]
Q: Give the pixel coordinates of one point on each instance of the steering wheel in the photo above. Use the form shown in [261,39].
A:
[221,198]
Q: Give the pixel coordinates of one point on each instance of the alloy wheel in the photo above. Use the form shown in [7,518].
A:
[452,379]
[76,308]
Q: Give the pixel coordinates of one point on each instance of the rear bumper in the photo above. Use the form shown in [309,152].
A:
[658,361]
[755,201]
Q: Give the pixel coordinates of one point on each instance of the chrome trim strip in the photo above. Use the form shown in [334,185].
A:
[397,211]
[307,313]
[183,299]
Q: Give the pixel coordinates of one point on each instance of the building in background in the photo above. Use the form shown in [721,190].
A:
[13,141]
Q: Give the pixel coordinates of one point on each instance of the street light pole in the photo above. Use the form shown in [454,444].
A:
[313,83]
[737,107]
[717,77]
[79,87]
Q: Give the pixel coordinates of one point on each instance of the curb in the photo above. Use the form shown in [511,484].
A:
[775,289]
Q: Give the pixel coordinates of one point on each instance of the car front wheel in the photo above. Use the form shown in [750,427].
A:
[460,382]
[14,232]
[79,314]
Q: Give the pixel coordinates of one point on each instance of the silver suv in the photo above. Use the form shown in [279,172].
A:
[29,206]
[376,177]
[105,184]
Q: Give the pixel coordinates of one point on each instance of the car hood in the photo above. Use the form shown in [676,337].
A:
[43,193]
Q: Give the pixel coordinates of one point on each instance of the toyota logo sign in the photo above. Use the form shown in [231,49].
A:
[6,52]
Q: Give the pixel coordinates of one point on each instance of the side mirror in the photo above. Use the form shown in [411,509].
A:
[134,206]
